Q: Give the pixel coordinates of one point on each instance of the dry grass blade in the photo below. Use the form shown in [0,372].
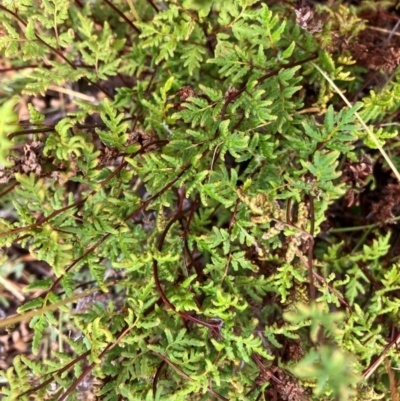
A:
[370,133]
[12,320]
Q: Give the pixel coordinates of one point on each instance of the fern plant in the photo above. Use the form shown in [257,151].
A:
[180,202]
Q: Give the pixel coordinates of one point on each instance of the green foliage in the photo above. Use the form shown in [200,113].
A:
[188,181]
[8,120]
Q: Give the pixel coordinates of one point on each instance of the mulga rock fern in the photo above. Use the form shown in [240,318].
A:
[208,210]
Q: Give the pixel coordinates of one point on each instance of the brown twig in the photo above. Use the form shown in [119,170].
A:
[123,16]
[30,131]
[156,376]
[153,5]
[6,191]
[371,369]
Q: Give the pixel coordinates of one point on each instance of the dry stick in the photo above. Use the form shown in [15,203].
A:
[48,308]
[71,93]
[365,126]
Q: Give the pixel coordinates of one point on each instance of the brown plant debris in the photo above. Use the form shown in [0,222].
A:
[376,48]
[184,93]
[308,20]
[284,387]
[355,175]
[143,138]
[388,205]
[375,56]
[30,162]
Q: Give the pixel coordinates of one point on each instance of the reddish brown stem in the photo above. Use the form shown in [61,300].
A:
[312,291]
[233,218]
[30,131]
[58,372]
[215,327]
[153,5]
[236,94]
[79,380]
[6,191]
[123,16]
